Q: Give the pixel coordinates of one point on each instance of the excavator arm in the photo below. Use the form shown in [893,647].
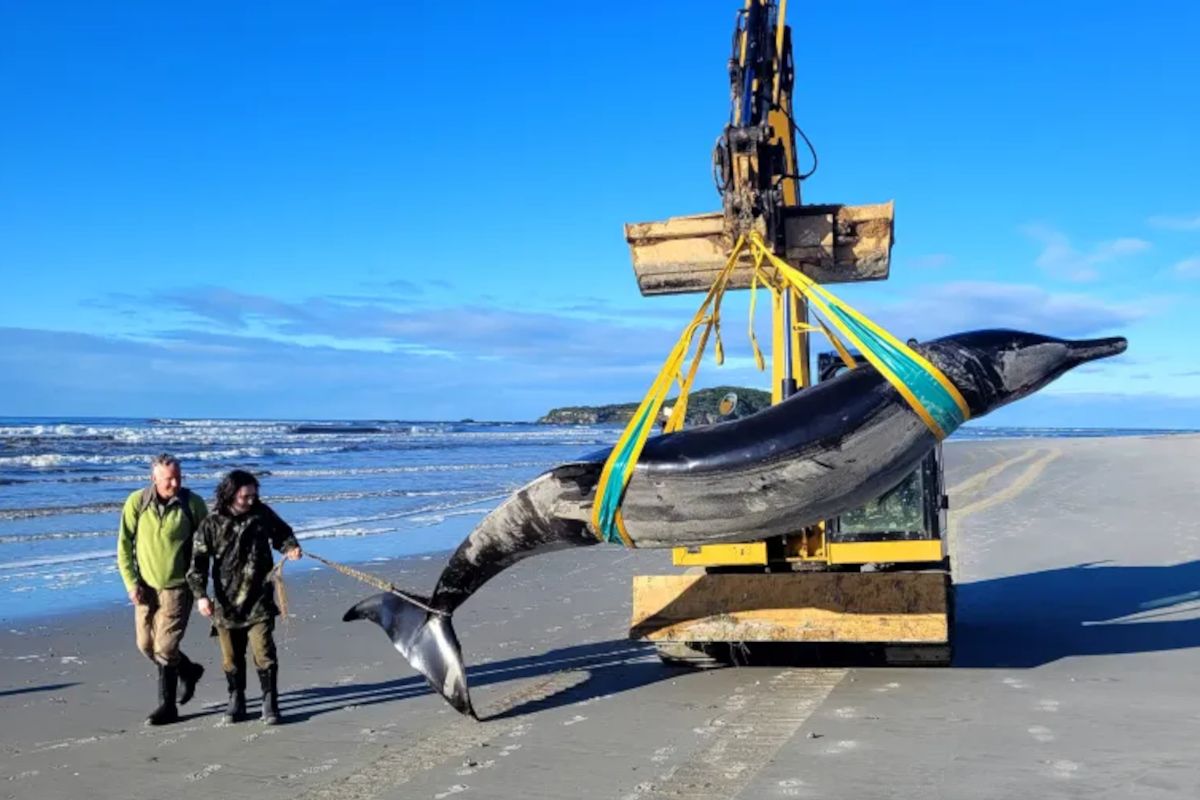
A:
[754,161]
[757,175]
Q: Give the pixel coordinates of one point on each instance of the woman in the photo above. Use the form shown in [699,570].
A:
[237,538]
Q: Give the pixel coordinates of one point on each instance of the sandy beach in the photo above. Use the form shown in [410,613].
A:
[1075,674]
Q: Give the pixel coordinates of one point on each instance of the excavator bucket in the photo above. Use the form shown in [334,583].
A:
[830,244]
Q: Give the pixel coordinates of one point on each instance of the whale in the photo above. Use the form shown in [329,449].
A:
[823,451]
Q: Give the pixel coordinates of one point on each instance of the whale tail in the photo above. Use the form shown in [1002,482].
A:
[426,640]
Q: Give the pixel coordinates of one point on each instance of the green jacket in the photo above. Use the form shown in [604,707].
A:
[157,550]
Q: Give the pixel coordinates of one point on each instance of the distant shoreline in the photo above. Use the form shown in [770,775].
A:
[359,425]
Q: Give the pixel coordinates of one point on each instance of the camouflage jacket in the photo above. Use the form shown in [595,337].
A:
[239,549]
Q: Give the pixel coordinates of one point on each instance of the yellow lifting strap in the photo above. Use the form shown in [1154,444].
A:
[618,469]
[930,393]
[927,391]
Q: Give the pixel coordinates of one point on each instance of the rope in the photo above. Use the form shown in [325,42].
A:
[365,577]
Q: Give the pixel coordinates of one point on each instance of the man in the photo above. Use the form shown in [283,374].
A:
[236,540]
[154,550]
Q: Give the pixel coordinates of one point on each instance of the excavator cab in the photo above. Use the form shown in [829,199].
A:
[915,510]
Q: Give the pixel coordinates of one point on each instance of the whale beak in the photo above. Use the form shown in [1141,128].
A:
[1086,350]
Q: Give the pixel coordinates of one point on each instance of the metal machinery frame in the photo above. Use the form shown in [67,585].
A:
[879,575]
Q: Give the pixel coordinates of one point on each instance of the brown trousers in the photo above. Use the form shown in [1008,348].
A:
[233,645]
[161,622]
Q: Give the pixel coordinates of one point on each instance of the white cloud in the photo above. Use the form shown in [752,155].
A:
[1176,223]
[1061,259]
[969,305]
[190,373]
[1188,268]
[518,336]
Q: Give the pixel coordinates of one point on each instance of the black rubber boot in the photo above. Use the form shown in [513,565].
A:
[189,675]
[236,710]
[166,713]
[268,678]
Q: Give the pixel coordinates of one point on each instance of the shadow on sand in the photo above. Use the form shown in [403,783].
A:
[1087,610]
[1019,621]
[607,667]
[45,687]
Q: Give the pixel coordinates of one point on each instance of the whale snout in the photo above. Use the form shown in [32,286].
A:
[1086,350]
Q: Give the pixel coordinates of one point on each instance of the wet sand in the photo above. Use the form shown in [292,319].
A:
[1064,684]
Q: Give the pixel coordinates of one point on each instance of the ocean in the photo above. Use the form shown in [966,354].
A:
[355,491]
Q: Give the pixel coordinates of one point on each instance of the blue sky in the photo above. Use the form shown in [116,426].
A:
[414,210]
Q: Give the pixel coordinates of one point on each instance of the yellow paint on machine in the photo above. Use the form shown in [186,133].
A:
[723,554]
[895,552]
[913,551]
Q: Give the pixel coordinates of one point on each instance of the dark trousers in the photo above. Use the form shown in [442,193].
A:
[233,645]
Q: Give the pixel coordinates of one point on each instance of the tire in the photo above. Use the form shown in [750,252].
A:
[694,655]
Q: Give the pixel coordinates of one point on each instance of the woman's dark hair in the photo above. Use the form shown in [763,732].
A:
[227,489]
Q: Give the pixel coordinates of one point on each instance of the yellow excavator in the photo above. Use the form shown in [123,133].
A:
[876,579]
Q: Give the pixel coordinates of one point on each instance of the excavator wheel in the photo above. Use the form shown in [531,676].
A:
[688,654]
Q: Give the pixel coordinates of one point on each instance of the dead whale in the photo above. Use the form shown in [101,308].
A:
[821,452]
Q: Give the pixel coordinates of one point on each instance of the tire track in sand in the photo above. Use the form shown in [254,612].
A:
[1018,485]
[397,766]
[745,740]
[976,481]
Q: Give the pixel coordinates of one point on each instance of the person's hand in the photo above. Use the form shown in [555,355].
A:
[205,607]
[136,596]
[294,554]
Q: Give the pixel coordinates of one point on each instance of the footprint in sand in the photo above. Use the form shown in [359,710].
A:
[793,787]
[1062,768]
[1042,733]
[710,727]
[470,767]
[324,766]
[736,703]
[204,773]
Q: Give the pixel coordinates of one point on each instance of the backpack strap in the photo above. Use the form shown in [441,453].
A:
[144,502]
[185,503]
